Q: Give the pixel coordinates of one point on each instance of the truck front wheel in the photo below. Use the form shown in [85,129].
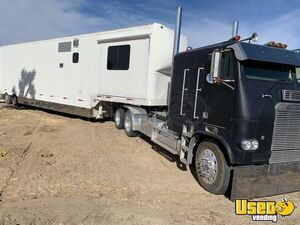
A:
[212,170]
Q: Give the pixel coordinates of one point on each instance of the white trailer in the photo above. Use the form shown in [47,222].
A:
[91,75]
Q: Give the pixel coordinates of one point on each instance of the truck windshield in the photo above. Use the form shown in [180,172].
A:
[267,71]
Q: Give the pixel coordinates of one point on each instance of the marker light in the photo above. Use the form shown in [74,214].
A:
[276,45]
[237,37]
[270,43]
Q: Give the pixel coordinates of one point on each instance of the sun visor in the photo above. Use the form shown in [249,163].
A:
[246,51]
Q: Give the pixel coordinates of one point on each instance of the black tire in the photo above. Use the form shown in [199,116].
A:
[119,118]
[217,181]
[14,100]
[7,99]
[128,125]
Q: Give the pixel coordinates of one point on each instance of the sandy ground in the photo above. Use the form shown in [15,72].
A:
[64,170]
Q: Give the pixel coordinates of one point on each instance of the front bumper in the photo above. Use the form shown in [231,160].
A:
[257,181]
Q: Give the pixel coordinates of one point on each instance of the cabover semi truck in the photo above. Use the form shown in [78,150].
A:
[233,111]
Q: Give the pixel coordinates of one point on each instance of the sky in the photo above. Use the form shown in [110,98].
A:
[204,21]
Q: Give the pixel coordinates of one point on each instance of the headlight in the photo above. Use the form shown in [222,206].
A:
[249,144]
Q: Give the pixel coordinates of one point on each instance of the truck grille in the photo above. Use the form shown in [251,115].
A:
[291,95]
[286,134]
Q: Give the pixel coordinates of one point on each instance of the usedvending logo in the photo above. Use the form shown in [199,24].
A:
[264,210]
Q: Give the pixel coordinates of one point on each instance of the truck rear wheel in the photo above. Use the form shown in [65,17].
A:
[14,100]
[119,118]
[212,170]
[7,98]
[128,125]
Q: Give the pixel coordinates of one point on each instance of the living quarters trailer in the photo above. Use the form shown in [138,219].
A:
[91,75]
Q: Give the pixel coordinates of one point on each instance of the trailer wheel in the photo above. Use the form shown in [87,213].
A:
[119,118]
[14,100]
[7,98]
[128,125]
[212,170]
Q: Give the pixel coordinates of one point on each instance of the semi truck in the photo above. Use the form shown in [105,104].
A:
[233,113]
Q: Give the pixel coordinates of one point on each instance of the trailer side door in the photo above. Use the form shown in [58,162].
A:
[124,68]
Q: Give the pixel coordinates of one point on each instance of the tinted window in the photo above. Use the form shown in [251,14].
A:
[267,71]
[118,57]
[64,46]
[75,57]
[298,74]
[226,66]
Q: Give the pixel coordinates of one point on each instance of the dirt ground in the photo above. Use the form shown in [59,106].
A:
[56,169]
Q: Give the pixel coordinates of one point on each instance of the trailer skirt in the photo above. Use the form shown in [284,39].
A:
[256,181]
[57,107]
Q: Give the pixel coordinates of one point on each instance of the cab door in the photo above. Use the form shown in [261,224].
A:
[215,101]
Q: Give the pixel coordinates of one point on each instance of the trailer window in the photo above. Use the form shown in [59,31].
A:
[118,57]
[75,57]
[64,46]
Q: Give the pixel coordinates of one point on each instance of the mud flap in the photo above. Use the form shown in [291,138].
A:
[249,182]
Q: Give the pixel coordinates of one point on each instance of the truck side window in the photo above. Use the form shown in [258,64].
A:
[226,66]
[118,57]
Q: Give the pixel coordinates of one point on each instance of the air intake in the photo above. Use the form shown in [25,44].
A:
[291,95]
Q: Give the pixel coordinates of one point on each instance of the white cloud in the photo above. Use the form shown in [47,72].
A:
[27,20]
[284,29]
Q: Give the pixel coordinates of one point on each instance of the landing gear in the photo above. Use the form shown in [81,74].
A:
[212,170]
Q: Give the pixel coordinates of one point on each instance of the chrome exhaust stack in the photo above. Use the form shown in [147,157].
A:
[177,31]
[235,28]
[176,46]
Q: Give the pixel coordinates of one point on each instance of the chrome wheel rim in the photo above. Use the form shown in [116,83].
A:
[208,166]
[118,117]
[128,123]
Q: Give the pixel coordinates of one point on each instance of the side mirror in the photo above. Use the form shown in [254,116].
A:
[215,64]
